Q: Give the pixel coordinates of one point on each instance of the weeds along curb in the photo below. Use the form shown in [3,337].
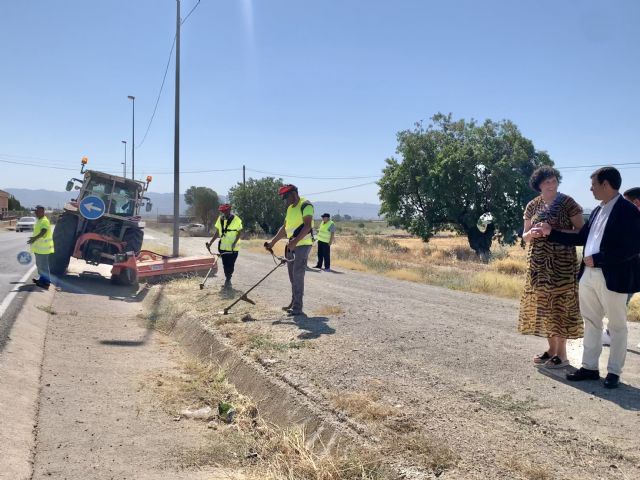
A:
[278,402]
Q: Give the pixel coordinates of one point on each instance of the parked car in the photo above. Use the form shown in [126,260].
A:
[193,228]
[25,224]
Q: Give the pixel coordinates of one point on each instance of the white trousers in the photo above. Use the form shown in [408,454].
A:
[597,302]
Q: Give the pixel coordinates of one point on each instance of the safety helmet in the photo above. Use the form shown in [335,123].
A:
[286,189]
[225,207]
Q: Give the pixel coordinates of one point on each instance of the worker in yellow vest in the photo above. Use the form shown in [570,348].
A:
[297,228]
[228,228]
[42,246]
[326,235]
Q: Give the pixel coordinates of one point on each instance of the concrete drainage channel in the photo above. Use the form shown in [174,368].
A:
[278,401]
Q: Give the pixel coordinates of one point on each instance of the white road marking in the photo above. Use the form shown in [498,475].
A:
[7,300]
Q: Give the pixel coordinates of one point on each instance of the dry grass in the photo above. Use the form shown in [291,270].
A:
[264,451]
[362,405]
[428,452]
[261,450]
[510,266]
[499,284]
[528,469]
[329,310]
[47,309]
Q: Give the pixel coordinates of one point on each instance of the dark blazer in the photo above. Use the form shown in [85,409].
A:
[619,256]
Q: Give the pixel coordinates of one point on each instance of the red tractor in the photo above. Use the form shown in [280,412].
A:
[102,225]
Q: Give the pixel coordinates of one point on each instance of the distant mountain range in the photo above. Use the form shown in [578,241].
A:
[163,203]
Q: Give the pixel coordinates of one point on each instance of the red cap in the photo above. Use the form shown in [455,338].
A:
[287,189]
[225,207]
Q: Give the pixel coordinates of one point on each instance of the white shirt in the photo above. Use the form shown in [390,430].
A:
[597,227]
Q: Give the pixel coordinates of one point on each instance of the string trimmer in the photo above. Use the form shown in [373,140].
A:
[215,265]
[280,261]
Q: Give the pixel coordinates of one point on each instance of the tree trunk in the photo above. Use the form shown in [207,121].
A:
[481,242]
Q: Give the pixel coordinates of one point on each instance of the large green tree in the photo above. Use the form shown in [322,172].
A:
[258,204]
[203,205]
[453,172]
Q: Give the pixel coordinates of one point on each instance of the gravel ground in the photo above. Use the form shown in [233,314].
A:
[97,417]
[452,369]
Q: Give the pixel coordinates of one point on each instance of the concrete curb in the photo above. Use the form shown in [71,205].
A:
[20,371]
[278,401]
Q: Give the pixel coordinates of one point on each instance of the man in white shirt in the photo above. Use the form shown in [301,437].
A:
[610,270]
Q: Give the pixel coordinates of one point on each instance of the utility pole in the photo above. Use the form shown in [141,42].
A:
[176,145]
[243,176]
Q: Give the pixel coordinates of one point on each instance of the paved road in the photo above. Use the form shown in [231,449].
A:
[11,272]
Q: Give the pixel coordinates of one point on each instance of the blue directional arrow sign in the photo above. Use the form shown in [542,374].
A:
[92,207]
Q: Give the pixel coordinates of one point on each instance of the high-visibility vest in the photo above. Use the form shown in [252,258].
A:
[324,235]
[228,232]
[294,220]
[44,245]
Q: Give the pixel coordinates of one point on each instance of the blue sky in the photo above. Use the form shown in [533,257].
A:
[310,88]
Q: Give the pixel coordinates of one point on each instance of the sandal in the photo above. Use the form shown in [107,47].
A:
[542,358]
[556,362]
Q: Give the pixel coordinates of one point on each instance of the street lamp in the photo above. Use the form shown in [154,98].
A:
[133,136]
[125,159]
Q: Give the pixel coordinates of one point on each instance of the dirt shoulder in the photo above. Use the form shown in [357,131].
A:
[97,416]
[414,365]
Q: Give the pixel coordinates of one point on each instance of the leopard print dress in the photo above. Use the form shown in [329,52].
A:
[549,305]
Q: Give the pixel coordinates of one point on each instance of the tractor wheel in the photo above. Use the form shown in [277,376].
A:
[64,241]
[126,277]
[133,238]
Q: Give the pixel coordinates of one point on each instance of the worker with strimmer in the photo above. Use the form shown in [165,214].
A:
[297,228]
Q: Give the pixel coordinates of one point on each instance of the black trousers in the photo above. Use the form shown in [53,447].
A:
[228,263]
[324,254]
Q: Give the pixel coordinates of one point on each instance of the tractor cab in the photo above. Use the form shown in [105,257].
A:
[122,197]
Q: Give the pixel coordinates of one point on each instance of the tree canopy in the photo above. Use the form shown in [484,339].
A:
[203,205]
[453,172]
[14,204]
[258,204]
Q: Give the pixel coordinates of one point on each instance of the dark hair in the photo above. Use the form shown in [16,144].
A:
[633,193]
[540,174]
[610,174]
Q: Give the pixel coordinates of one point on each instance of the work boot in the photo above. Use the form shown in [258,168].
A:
[42,284]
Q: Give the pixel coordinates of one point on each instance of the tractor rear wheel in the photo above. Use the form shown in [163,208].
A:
[133,238]
[64,241]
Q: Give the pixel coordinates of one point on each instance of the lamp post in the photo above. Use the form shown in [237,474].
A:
[125,159]
[133,136]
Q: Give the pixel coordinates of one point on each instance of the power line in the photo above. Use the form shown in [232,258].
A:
[197,171]
[312,178]
[190,12]
[344,188]
[164,78]
[575,167]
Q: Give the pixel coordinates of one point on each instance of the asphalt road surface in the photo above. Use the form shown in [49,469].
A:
[11,273]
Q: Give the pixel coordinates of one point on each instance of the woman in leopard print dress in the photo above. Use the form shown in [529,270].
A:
[549,305]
